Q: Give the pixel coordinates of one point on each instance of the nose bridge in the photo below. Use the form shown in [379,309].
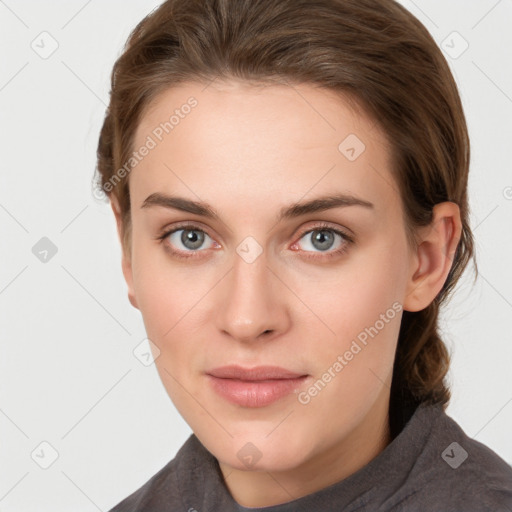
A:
[251,305]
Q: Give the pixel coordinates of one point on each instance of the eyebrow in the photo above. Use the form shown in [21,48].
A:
[202,209]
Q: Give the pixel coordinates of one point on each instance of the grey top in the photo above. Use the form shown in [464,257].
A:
[431,465]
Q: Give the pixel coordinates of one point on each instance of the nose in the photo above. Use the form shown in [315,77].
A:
[253,304]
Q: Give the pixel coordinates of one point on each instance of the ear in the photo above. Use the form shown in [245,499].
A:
[433,256]
[126,259]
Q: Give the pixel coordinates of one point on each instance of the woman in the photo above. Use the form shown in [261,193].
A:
[289,181]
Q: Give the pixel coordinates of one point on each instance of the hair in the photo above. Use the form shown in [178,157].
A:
[372,51]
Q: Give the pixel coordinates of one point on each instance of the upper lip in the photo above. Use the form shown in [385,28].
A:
[254,374]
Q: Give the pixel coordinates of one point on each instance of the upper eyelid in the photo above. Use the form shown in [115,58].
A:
[167,230]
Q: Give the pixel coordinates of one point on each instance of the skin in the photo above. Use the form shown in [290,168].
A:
[249,151]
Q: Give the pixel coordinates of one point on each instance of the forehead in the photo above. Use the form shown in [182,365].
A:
[258,139]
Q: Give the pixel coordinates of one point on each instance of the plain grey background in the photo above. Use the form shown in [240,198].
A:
[73,396]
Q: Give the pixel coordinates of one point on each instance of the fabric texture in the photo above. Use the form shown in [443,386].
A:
[431,465]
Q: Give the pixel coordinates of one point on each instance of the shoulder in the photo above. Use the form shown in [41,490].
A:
[455,472]
[161,491]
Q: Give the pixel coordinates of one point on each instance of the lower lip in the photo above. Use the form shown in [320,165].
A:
[255,393]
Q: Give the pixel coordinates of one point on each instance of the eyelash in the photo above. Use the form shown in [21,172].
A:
[347,240]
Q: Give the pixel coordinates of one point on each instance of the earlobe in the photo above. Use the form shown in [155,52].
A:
[128,277]
[126,263]
[433,257]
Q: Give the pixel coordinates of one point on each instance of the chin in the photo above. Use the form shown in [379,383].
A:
[271,462]
[260,452]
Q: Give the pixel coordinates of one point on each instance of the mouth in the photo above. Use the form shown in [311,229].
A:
[254,387]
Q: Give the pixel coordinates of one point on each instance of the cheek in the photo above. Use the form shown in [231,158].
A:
[163,288]
[169,307]
[172,298]
[355,365]
[362,306]
[353,297]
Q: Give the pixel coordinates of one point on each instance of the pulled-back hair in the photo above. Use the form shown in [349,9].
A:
[373,52]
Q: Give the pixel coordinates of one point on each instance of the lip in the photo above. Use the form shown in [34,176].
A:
[257,373]
[254,387]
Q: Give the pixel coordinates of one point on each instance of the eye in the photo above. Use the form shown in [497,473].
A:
[185,239]
[188,241]
[324,239]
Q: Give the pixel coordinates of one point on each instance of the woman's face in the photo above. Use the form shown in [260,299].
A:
[237,272]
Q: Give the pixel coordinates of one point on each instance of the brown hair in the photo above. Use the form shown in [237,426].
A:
[374,51]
